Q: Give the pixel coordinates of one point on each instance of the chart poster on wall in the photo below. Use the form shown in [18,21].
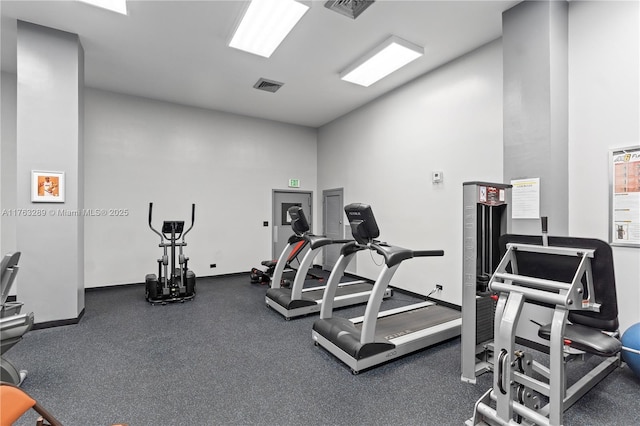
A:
[525,198]
[624,197]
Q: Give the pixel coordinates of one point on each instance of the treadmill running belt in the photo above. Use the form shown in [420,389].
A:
[403,323]
[341,291]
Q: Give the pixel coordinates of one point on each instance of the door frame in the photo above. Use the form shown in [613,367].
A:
[274,213]
[325,194]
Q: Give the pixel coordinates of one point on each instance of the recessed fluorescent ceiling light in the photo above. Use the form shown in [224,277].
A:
[119,6]
[391,55]
[265,24]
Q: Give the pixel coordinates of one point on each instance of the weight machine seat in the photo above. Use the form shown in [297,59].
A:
[585,329]
[300,244]
[586,339]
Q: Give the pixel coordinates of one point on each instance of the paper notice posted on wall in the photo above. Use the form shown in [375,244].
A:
[525,198]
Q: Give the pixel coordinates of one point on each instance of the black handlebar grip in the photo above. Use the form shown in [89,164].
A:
[544,224]
[150,209]
[193,213]
[421,253]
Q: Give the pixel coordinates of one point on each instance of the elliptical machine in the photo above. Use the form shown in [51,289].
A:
[174,284]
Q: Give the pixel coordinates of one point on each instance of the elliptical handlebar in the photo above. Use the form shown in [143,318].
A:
[162,237]
[151,226]
[193,219]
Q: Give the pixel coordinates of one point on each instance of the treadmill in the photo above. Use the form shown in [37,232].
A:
[378,337]
[299,301]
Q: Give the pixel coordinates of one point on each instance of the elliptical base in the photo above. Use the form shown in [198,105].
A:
[154,292]
[170,299]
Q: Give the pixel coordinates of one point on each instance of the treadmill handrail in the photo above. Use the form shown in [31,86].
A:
[301,273]
[394,255]
[326,310]
[368,333]
[307,262]
[281,263]
[426,253]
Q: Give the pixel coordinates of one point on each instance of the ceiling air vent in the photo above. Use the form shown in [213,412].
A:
[268,85]
[350,8]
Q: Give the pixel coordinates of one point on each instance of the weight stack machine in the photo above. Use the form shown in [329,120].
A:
[486,216]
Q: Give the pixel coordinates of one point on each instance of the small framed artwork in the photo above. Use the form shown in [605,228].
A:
[47,187]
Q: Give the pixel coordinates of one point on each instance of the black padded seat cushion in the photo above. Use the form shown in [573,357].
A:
[586,339]
[342,333]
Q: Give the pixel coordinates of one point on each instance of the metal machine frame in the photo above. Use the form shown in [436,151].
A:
[168,286]
[515,387]
[486,216]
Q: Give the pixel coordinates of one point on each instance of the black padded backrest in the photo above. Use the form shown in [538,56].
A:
[563,268]
[299,222]
[363,224]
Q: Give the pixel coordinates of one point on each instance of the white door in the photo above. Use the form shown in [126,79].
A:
[333,224]
[282,200]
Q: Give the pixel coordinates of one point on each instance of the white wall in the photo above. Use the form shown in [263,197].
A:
[50,67]
[383,154]
[8,164]
[139,151]
[604,113]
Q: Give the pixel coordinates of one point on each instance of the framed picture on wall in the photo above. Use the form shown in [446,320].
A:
[47,187]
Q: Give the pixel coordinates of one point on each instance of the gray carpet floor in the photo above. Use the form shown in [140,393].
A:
[226,359]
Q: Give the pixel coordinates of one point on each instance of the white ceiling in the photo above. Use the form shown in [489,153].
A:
[177,51]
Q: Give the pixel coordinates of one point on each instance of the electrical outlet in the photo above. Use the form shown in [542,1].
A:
[213,265]
[438,287]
